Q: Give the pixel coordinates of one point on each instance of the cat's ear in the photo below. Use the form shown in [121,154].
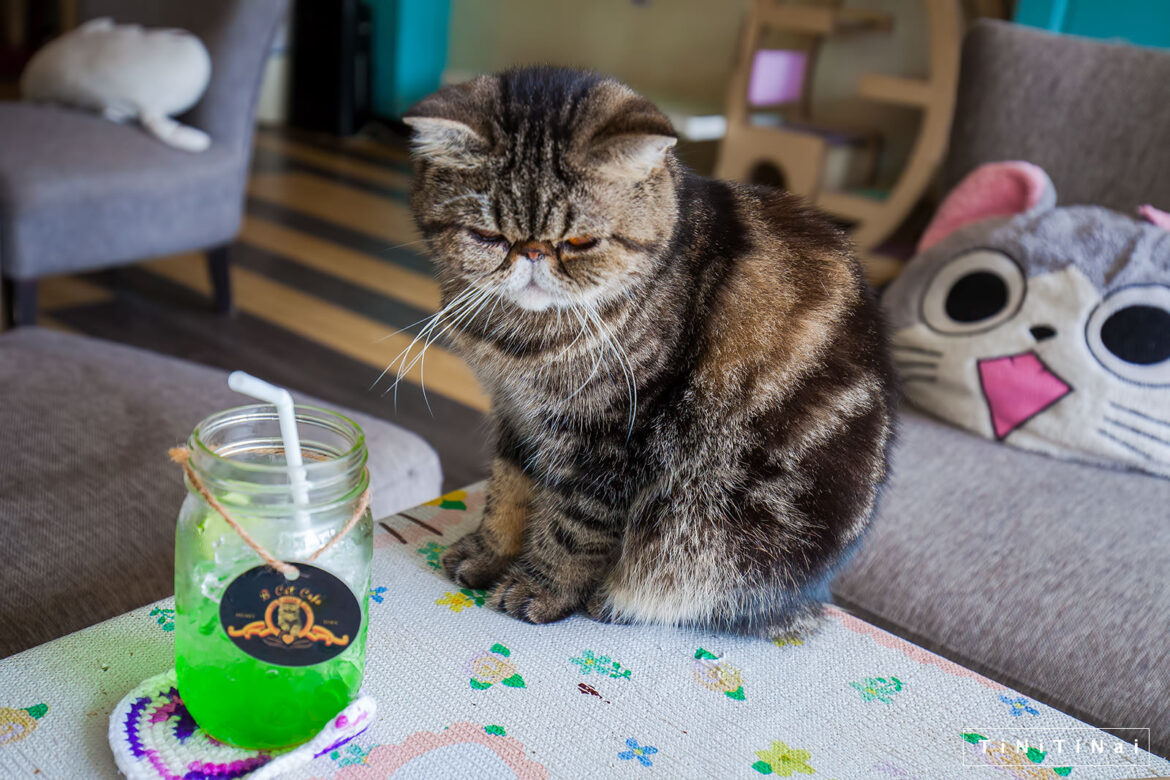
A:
[634,138]
[447,127]
[993,190]
[1155,216]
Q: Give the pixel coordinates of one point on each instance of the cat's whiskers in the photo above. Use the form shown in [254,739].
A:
[1157,440]
[1141,414]
[431,321]
[897,346]
[1132,448]
[627,367]
[456,304]
[468,311]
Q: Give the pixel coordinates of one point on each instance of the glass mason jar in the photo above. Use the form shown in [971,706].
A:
[264,661]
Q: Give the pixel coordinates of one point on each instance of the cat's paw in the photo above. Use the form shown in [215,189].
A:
[524,598]
[472,564]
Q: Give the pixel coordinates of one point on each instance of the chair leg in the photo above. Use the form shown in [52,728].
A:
[20,302]
[218,266]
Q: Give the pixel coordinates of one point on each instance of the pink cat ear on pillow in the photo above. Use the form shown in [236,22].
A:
[993,190]
[1155,216]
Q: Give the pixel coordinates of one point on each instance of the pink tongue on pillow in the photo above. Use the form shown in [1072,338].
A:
[1017,388]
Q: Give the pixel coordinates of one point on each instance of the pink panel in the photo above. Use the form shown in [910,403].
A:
[777,77]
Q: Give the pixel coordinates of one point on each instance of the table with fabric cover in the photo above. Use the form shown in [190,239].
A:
[466,692]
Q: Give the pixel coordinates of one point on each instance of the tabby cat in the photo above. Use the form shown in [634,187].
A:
[689,378]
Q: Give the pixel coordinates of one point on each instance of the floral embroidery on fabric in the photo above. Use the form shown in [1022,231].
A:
[721,677]
[18,723]
[431,551]
[877,688]
[787,641]
[487,669]
[601,665]
[495,730]
[1018,705]
[350,755]
[378,594]
[641,753]
[456,499]
[166,618]
[782,761]
[466,597]
[467,741]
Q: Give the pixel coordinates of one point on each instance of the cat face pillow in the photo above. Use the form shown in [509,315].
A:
[1046,328]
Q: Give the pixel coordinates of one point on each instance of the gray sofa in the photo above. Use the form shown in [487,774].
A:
[1046,575]
[78,192]
[88,498]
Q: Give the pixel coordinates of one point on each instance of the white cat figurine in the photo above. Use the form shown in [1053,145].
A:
[126,72]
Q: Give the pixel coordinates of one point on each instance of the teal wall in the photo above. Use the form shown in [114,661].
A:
[409,51]
[1144,22]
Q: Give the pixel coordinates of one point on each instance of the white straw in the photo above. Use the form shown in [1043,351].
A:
[247,384]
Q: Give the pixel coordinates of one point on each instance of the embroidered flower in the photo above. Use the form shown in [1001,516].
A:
[166,618]
[721,677]
[18,723]
[466,597]
[378,594]
[639,752]
[456,499]
[487,669]
[1018,706]
[351,754]
[456,602]
[877,688]
[601,665]
[782,761]
[431,551]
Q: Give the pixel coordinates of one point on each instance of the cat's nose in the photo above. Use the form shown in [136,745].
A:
[1042,332]
[534,251]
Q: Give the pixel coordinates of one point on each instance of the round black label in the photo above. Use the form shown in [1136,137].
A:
[287,622]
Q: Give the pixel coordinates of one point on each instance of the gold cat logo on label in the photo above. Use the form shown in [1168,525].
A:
[288,621]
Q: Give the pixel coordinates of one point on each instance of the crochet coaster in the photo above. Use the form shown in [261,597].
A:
[154,738]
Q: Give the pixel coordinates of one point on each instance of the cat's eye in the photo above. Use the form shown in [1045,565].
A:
[579,243]
[487,237]
[1129,334]
[975,291]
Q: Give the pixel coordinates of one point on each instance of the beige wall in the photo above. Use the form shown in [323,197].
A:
[681,49]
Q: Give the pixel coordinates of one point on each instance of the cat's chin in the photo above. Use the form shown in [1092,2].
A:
[533,298]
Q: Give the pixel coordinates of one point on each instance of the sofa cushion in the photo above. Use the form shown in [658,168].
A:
[88,498]
[1092,114]
[72,185]
[1048,576]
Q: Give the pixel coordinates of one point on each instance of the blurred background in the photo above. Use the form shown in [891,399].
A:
[318,281]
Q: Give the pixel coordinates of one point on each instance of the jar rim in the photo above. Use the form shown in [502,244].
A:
[318,415]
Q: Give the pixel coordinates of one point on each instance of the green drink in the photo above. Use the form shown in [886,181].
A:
[264,661]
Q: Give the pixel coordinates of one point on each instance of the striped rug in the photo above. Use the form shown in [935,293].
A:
[330,283]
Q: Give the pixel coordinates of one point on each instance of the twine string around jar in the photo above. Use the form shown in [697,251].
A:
[182,456]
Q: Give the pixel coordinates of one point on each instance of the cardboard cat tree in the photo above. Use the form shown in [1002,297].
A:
[833,168]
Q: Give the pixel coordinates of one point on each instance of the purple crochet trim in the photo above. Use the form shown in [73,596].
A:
[160,766]
[207,770]
[132,738]
[339,743]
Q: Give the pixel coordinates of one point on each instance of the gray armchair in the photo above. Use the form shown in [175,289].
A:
[79,193]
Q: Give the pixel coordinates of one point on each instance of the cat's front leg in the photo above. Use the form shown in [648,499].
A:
[571,545]
[480,558]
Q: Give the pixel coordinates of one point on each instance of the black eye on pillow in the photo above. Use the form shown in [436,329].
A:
[1129,334]
[976,296]
[1138,334]
[974,291]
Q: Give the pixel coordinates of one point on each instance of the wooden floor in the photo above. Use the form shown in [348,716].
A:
[330,283]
